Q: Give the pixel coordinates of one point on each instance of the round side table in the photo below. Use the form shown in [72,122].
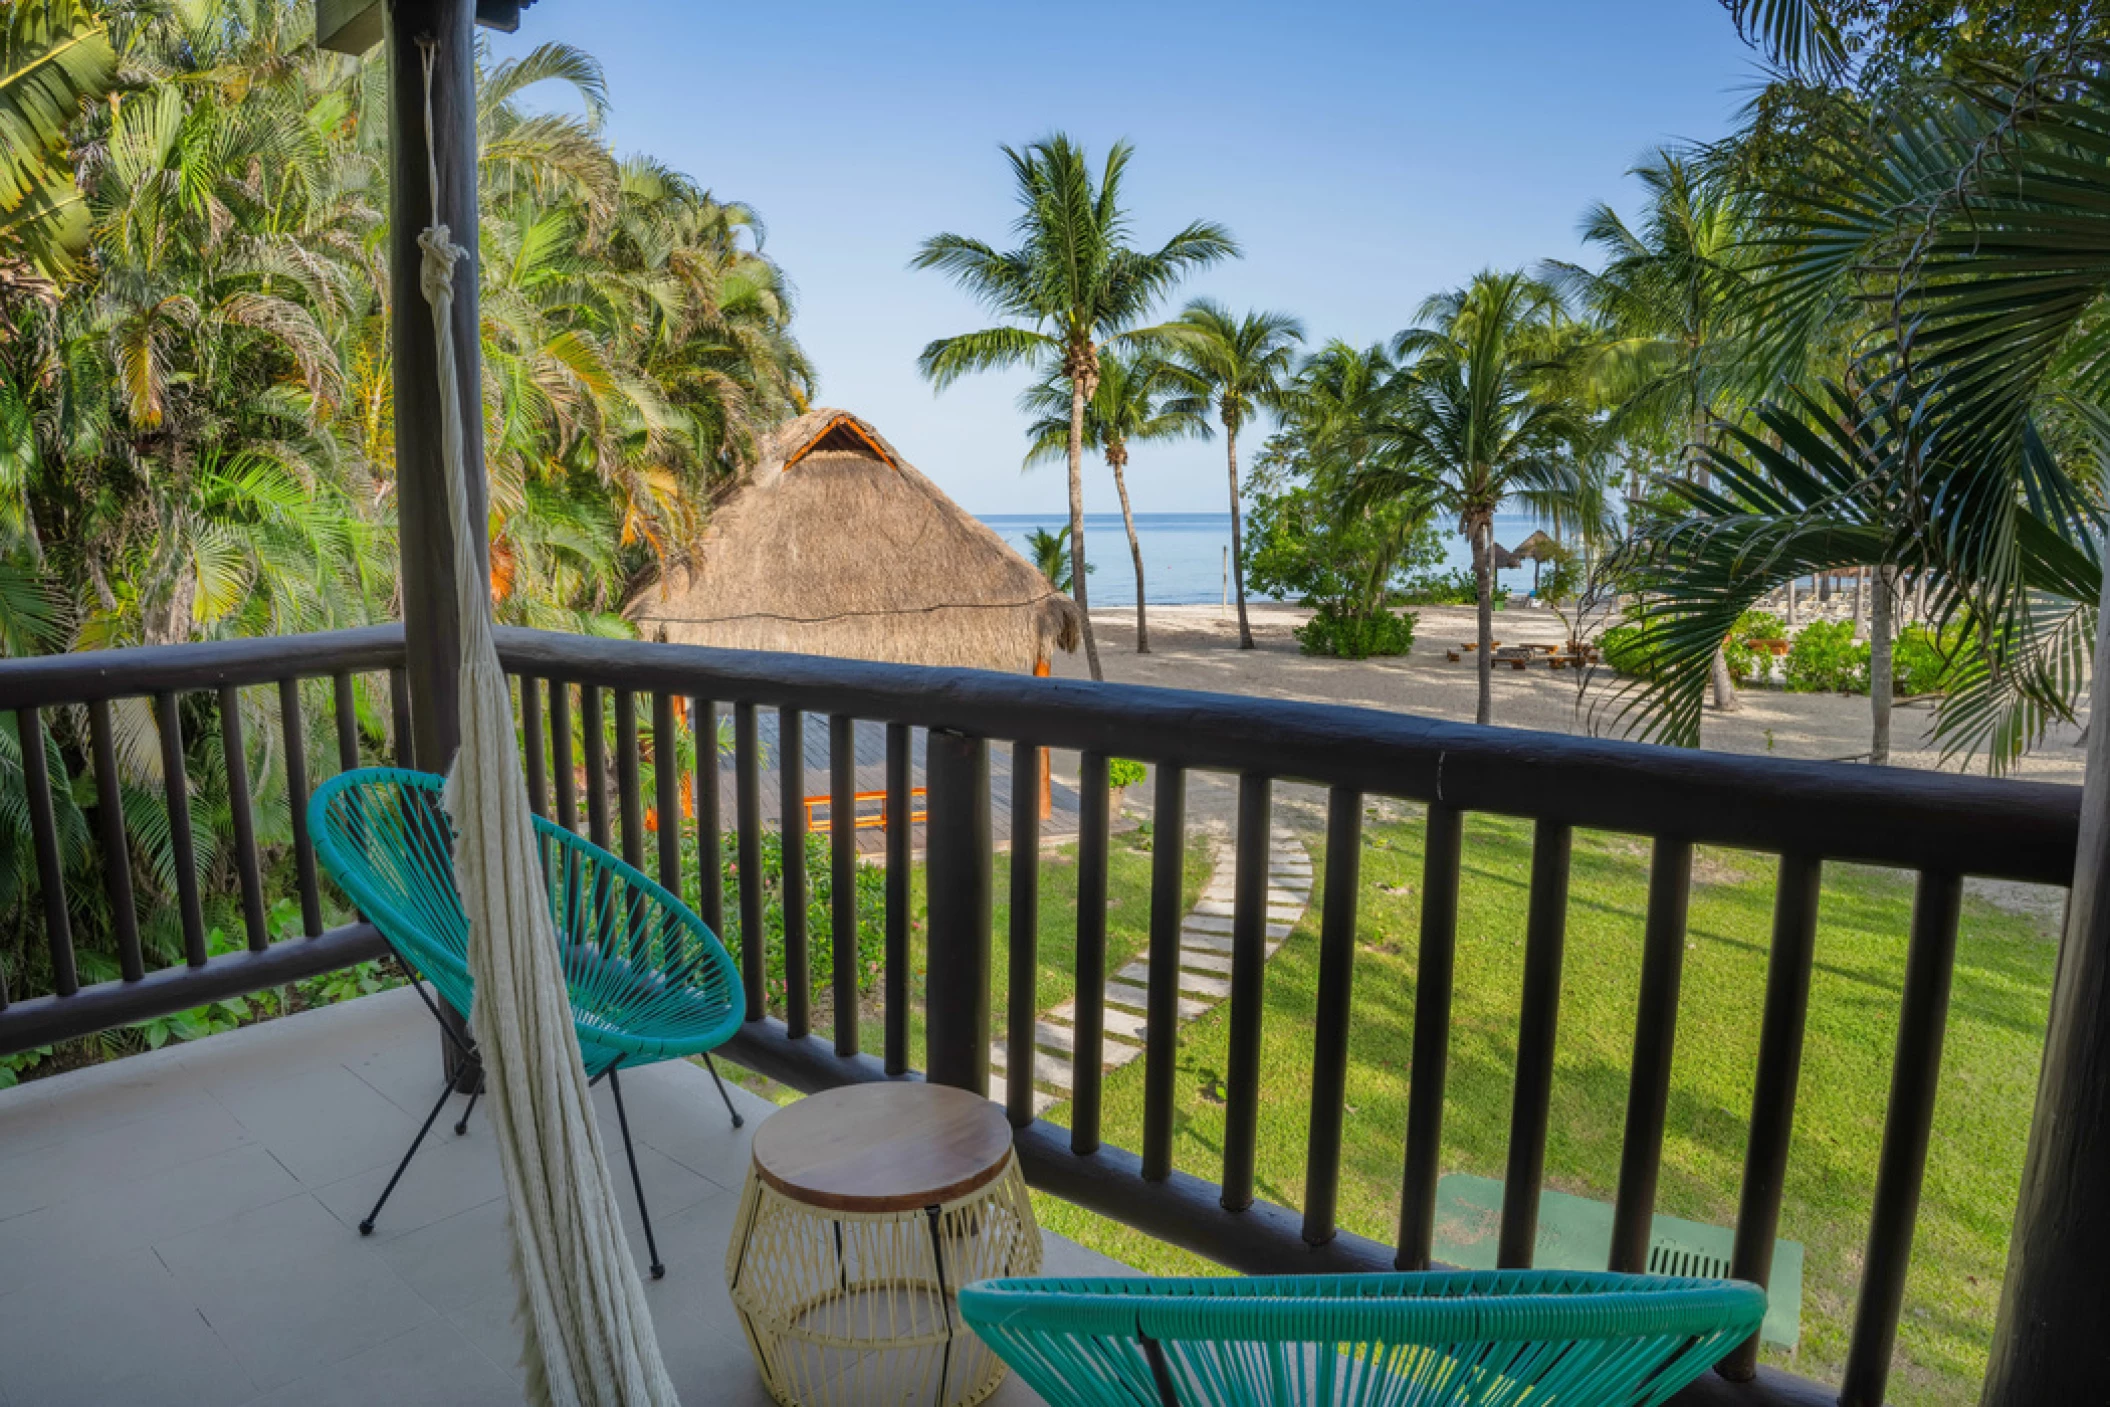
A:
[865,1210]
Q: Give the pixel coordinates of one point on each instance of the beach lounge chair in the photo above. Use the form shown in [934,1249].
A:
[648,982]
[1447,1339]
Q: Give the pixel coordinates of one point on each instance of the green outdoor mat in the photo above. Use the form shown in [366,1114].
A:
[1576,1234]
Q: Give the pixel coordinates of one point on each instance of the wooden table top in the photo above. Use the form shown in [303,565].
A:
[882,1148]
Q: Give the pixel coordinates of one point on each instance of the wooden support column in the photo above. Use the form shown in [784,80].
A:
[432,626]
[958,875]
[2049,1345]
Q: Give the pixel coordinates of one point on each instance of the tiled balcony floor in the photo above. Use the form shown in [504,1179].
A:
[181,1227]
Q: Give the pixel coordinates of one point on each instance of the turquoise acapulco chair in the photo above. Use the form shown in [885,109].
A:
[648,982]
[1490,1338]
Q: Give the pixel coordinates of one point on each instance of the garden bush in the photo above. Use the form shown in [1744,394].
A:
[1747,663]
[1825,658]
[1124,772]
[1627,649]
[1924,663]
[820,919]
[1453,588]
[1354,635]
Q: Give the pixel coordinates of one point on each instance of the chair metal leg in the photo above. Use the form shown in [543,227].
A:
[462,1126]
[366,1228]
[712,1066]
[637,1184]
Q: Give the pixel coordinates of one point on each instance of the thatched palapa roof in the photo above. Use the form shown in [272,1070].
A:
[1538,548]
[836,545]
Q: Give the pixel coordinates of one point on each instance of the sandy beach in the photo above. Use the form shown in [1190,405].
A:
[1195,647]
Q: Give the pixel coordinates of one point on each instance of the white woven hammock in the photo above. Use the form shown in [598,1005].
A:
[589,1338]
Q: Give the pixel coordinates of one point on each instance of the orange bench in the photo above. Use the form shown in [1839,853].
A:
[866,820]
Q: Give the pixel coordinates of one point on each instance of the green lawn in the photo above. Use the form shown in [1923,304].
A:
[1127,931]
[2003,976]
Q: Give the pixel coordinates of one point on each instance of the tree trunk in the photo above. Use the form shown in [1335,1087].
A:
[1879,671]
[1245,629]
[1135,548]
[1077,591]
[1483,656]
[1724,686]
[1824,588]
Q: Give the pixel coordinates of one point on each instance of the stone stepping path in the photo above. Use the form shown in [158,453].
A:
[1204,975]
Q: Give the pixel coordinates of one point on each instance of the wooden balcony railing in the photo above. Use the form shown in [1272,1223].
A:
[1942,827]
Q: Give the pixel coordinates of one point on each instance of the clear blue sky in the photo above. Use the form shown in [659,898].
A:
[1365,155]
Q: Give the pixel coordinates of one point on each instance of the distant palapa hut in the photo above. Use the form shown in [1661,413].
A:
[836,545]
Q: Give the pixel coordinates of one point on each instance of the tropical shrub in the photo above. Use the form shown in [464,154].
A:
[1306,542]
[820,918]
[1629,646]
[1923,662]
[1825,658]
[1453,588]
[1747,663]
[1356,635]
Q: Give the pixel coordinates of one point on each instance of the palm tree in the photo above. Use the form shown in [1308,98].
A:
[1673,299]
[1133,405]
[1072,286]
[1481,416]
[55,55]
[1050,551]
[1236,367]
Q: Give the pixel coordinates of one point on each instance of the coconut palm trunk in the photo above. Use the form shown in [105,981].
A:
[1117,460]
[1080,392]
[1724,685]
[1880,673]
[1245,629]
[1483,529]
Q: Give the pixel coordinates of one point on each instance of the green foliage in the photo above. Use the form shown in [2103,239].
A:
[1747,663]
[1050,551]
[14,1067]
[1923,661]
[2004,971]
[1124,772]
[1560,578]
[55,55]
[1632,649]
[1333,631]
[1452,588]
[820,919]
[1825,658]
[1309,540]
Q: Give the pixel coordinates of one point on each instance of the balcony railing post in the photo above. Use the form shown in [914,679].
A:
[958,878]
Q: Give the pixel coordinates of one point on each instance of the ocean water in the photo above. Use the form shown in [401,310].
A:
[1184,554]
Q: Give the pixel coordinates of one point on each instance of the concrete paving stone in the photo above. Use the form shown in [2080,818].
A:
[53,1243]
[1123,994]
[449,1175]
[433,1365]
[1194,982]
[291,1289]
[124,1333]
[100,1163]
[323,1123]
